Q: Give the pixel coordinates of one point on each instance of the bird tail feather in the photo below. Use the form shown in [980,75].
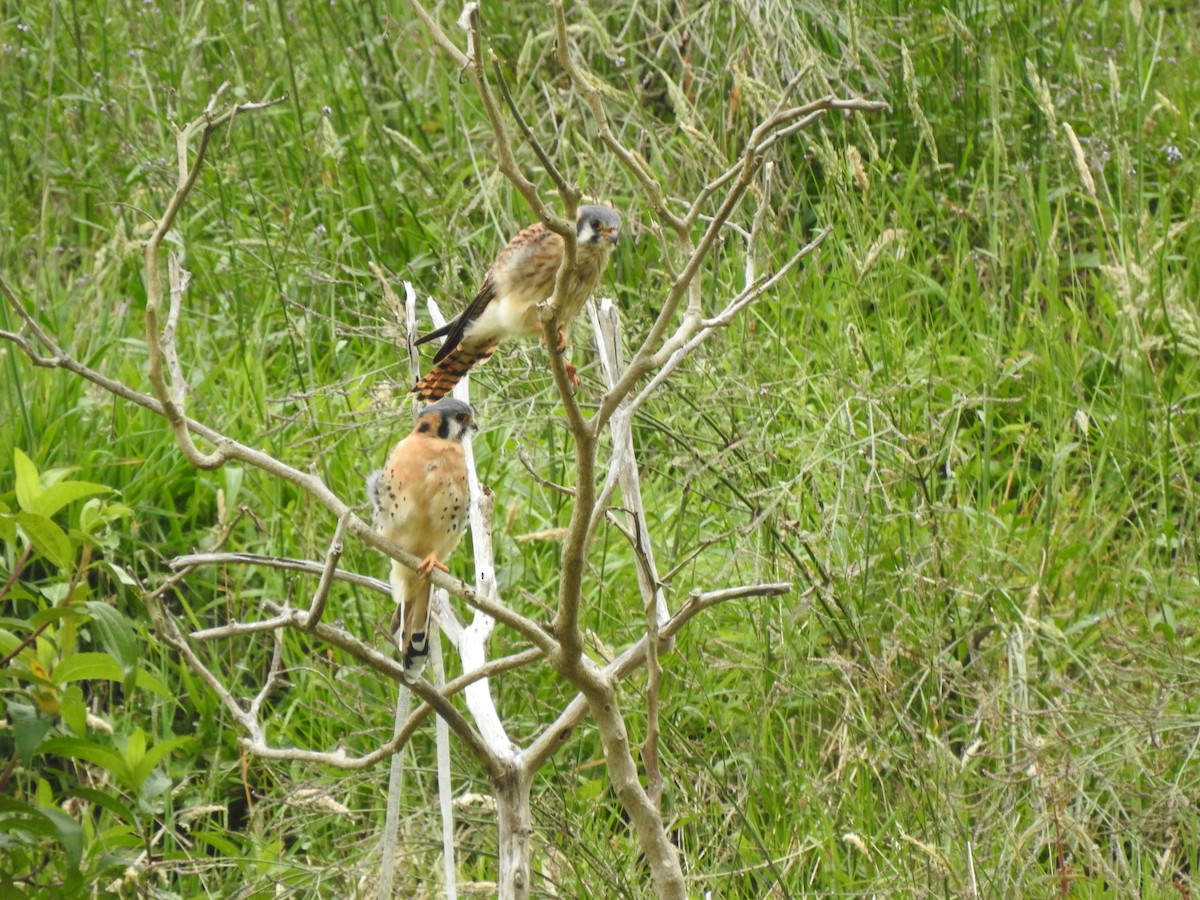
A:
[450,371]
[411,618]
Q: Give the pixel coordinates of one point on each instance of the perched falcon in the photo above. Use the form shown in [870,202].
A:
[420,499]
[506,306]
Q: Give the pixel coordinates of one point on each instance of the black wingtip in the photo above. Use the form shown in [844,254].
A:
[433,335]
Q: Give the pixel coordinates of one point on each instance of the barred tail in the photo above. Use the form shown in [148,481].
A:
[450,371]
[411,618]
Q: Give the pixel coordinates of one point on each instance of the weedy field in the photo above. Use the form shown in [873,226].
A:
[966,430]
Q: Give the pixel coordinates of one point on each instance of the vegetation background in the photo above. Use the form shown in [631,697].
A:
[967,431]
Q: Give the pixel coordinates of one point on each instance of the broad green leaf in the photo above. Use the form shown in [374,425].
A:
[155,784]
[47,538]
[69,834]
[87,667]
[79,748]
[104,800]
[54,475]
[8,527]
[135,752]
[591,789]
[116,636]
[8,642]
[54,498]
[28,485]
[121,574]
[28,729]
[148,682]
[16,815]
[155,754]
[53,614]
[13,806]
[55,592]
[119,836]
[43,795]
[73,710]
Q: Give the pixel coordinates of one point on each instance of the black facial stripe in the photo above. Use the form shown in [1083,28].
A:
[444,428]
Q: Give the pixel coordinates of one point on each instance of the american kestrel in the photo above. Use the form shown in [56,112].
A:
[420,499]
[506,305]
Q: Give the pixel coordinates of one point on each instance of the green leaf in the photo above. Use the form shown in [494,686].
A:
[73,710]
[18,816]
[54,498]
[52,613]
[121,574]
[135,753]
[55,592]
[119,836]
[8,641]
[155,754]
[29,730]
[218,842]
[47,538]
[155,784]
[110,802]
[591,789]
[8,527]
[88,667]
[148,682]
[233,484]
[116,636]
[28,485]
[89,751]
[69,833]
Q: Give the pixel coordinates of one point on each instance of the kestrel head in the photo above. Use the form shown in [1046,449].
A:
[597,224]
[448,419]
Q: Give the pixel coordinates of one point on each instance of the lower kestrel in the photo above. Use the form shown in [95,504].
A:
[420,499]
[522,276]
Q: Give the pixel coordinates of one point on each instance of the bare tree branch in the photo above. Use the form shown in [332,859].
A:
[327,575]
[631,660]
[206,124]
[569,193]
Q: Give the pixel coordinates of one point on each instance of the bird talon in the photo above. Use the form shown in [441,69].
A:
[429,563]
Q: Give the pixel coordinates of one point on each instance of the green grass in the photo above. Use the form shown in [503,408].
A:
[966,430]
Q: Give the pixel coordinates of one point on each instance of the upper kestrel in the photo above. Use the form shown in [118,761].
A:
[420,499]
[506,305]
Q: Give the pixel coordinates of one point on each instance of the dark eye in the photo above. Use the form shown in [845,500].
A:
[595,224]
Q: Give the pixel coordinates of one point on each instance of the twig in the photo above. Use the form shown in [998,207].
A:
[179,280]
[539,479]
[327,575]
[606,326]
[583,83]
[159,350]
[505,162]
[439,37]
[552,737]
[686,339]
[307,566]
[569,193]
